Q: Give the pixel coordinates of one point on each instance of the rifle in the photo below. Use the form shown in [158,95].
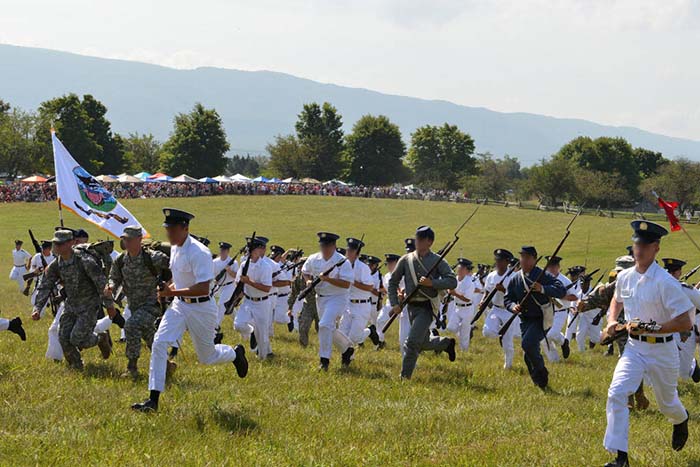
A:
[576,313]
[443,253]
[504,328]
[287,267]
[381,286]
[220,275]
[52,296]
[621,331]
[237,295]
[690,273]
[309,288]
[487,301]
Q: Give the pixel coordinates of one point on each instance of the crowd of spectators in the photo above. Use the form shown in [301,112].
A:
[37,192]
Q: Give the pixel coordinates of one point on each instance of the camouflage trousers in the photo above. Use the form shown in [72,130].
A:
[76,331]
[140,325]
[308,315]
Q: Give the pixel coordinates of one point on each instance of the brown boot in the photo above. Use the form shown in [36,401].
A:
[641,399]
[131,369]
[104,342]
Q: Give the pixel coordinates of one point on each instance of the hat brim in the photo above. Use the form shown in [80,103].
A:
[644,239]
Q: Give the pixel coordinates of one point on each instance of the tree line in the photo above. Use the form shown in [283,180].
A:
[605,171]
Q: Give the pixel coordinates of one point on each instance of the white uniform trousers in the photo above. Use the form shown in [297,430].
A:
[555,336]
[496,318]
[586,328]
[570,331]
[658,364]
[354,321]
[460,325]
[261,317]
[4,324]
[280,309]
[16,274]
[243,322]
[296,311]
[54,351]
[382,319]
[686,355]
[330,308]
[224,294]
[200,320]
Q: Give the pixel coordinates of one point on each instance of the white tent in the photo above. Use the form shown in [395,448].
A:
[290,180]
[222,179]
[126,178]
[335,182]
[240,178]
[106,178]
[184,178]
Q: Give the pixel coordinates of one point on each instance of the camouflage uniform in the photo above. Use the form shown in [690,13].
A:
[83,284]
[140,286]
[309,313]
[601,298]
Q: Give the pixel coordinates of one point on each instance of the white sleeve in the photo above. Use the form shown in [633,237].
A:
[266,274]
[693,295]
[345,272]
[202,266]
[673,299]
[367,276]
[306,268]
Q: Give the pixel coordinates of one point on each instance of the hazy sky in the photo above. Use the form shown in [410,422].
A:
[620,62]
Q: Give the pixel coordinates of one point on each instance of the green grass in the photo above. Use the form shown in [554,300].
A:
[469,412]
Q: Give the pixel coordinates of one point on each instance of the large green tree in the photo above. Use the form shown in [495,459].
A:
[494,176]
[441,155]
[197,145]
[319,131]
[550,181]
[676,180]
[18,148]
[288,158]
[374,152]
[142,153]
[85,131]
[245,165]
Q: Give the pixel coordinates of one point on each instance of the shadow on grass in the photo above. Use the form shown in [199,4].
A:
[101,371]
[233,421]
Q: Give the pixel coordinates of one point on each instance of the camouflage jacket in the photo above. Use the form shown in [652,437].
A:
[298,284]
[82,278]
[135,276]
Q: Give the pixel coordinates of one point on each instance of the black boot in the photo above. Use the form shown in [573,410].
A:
[373,336]
[565,349]
[16,327]
[451,352]
[119,320]
[680,434]
[131,369]
[591,345]
[620,461]
[381,345]
[241,362]
[610,351]
[173,352]
[149,405]
[253,342]
[218,336]
[696,372]
[324,364]
[347,357]
[290,324]
[104,342]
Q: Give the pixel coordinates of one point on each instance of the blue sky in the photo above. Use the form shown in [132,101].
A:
[619,62]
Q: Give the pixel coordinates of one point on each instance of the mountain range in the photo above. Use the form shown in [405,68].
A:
[257,105]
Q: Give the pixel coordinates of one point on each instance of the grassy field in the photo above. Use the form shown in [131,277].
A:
[469,412]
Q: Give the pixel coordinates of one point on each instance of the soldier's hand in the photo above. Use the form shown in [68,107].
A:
[516,308]
[633,328]
[289,313]
[323,278]
[308,282]
[36,315]
[108,290]
[610,329]
[537,287]
[245,279]
[395,310]
[500,288]
[425,282]
[111,312]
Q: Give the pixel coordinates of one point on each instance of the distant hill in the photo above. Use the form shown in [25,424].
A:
[256,106]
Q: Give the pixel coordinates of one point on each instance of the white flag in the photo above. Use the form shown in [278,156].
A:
[80,193]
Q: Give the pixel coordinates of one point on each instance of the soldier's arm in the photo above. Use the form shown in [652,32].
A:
[446,277]
[394,282]
[510,298]
[97,276]
[115,276]
[552,287]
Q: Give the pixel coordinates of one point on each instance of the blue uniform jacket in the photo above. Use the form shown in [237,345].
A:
[516,291]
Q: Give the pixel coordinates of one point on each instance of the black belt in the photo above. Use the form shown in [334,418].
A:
[195,299]
[462,304]
[359,301]
[228,283]
[20,266]
[282,294]
[257,299]
[652,339]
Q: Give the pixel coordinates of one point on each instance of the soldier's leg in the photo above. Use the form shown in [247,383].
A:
[243,321]
[305,320]
[65,329]
[404,329]
[686,352]
[172,325]
[532,335]
[262,319]
[140,325]
[4,324]
[508,343]
[492,323]
[360,313]
[201,323]
[83,335]
[465,329]
[418,336]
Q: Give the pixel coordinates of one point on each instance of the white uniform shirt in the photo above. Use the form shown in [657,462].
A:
[654,295]
[316,265]
[565,281]
[220,264]
[36,261]
[274,266]
[693,295]
[284,275]
[260,272]
[191,264]
[466,288]
[20,257]
[491,282]
[363,275]
[376,280]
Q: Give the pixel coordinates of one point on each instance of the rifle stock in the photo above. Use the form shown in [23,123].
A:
[487,300]
[237,295]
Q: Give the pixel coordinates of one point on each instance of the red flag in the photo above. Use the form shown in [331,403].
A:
[669,207]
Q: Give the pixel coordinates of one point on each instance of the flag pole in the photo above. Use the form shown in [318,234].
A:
[60,211]
[658,201]
[58,199]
